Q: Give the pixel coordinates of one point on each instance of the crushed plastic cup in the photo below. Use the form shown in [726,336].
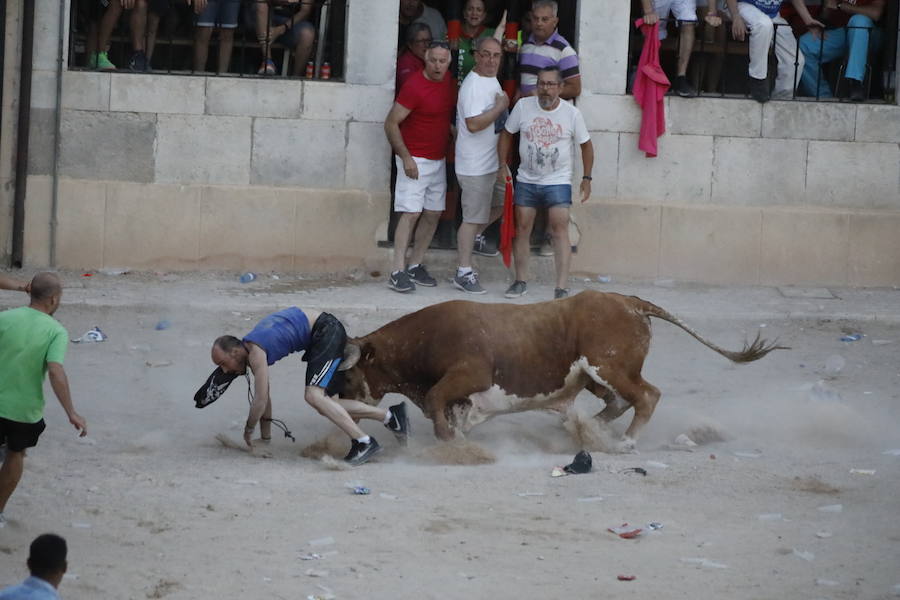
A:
[852,337]
[361,491]
[805,555]
[626,577]
[163,325]
[247,277]
[92,335]
[604,279]
[626,531]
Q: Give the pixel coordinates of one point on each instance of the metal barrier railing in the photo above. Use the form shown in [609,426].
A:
[163,36]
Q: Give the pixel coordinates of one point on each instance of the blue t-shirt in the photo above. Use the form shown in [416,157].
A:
[770,7]
[281,333]
[33,588]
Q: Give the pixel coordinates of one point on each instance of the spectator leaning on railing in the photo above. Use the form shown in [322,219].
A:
[851,32]
[761,19]
[286,23]
[222,14]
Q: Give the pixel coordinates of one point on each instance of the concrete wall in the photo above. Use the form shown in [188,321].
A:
[175,171]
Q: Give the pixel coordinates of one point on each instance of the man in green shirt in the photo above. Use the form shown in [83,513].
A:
[32,343]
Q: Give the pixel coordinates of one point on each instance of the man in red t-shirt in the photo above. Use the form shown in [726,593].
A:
[418,128]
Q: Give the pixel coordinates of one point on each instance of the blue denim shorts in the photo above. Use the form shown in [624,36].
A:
[533,195]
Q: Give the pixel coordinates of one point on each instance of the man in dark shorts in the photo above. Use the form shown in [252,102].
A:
[323,340]
[32,343]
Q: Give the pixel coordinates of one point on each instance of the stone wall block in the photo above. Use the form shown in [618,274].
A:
[369,63]
[804,247]
[41,141]
[603,37]
[610,113]
[359,215]
[714,116]
[278,98]
[302,152]
[204,149]
[46,35]
[100,145]
[86,90]
[878,123]
[38,201]
[758,172]
[809,120]
[43,89]
[336,102]
[856,175]
[618,239]
[875,249]
[606,165]
[82,225]
[163,94]
[368,158]
[680,173]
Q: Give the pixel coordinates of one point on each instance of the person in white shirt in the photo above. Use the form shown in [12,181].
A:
[481,109]
[548,127]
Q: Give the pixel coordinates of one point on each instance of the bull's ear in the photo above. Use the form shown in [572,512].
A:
[368,352]
[351,357]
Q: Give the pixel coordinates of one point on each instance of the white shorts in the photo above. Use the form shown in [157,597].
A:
[681,10]
[428,192]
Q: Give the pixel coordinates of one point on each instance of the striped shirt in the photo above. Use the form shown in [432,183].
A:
[555,51]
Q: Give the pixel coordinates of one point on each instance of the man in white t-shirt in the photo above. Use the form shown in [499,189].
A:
[548,129]
[480,112]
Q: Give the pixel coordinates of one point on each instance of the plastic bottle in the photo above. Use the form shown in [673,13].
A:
[325,73]
[248,277]
[310,70]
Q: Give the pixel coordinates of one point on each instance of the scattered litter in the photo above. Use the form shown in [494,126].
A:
[529,494]
[316,573]
[163,325]
[310,556]
[387,496]
[153,364]
[823,535]
[882,342]
[684,440]
[770,517]
[558,472]
[704,562]
[267,580]
[247,482]
[604,279]
[863,471]
[87,274]
[893,452]
[247,277]
[591,499]
[79,525]
[712,457]
[114,272]
[852,337]
[581,464]
[633,470]
[656,464]
[832,508]
[324,541]
[361,491]
[92,335]
[762,325]
[626,577]
[275,277]
[626,531]
[827,582]
[747,454]
[835,363]
[654,525]
[807,556]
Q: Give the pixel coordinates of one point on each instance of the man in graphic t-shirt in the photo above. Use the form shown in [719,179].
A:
[549,127]
[418,128]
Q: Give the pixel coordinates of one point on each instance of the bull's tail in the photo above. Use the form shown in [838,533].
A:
[751,351]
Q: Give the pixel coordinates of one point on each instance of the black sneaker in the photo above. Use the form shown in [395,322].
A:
[469,283]
[684,88]
[518,288]
[560,293]
[399,423]
[857,91]
[483,247]
[420,276]
[361,453]
[399,281]
[139,62]
[759,89]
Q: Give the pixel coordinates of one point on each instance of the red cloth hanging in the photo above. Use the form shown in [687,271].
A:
[650,86]
[508,225]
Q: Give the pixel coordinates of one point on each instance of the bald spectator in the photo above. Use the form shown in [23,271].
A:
[32,343]
[47,565]
[546,48]
[415,11]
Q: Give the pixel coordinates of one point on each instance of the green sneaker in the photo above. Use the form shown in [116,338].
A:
[101,62]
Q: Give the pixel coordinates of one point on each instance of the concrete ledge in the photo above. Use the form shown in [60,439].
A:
[333,101]
[618,239]
[255,97]
[875,249]
[878,123]
[809,120]
[610,112]
[163,94]
[805,247]
[680,173]
[86,90]
[724,117]
[853,175]
[758,172]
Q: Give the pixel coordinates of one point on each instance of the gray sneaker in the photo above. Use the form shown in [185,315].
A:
[518,288]
[399,281]
[361,453]
[420,276]
[483,247]
[560,293]
[469,283]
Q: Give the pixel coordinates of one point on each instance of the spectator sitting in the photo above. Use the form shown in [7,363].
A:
[546,48]
[415,11]
[412,59]
[853,33]
[138,26]
[764,23]
[474,15]
[222,14]
[685,12]
[286,24]
[47,565]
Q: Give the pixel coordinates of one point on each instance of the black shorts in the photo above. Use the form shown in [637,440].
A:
[326,350]
[19,436]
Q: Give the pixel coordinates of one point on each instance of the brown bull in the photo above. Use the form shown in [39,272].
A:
[462,362]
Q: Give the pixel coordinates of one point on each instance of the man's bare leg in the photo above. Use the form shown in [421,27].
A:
[202,36]
[226,43]
[10,474]
[334,412]
[522,242]
[558,221]
[465,240]
[685,47]
[303,49]
[360,410]
[424,233]
[402,233]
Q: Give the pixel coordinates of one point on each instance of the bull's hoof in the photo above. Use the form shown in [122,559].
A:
[626,446]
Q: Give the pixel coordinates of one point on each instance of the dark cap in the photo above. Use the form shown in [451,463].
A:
[214,387]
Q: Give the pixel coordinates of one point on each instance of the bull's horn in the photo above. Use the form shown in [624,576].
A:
[351,356]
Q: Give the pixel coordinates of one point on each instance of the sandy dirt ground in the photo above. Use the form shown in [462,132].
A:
[778,500]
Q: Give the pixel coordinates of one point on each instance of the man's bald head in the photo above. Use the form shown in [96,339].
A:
[45,286]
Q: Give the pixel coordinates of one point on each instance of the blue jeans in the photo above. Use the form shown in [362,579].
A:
[853,40]
[533,195]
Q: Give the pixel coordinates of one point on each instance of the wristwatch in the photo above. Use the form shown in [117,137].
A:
[588,177]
